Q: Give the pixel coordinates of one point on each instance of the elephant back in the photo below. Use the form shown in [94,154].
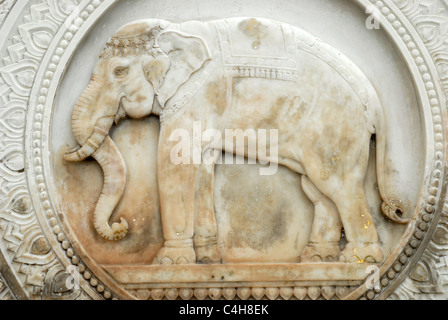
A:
[258,47]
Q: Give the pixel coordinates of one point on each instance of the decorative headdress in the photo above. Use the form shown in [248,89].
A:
[143,43]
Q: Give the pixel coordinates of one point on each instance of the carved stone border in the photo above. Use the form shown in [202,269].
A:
[429,266]
[432,98]
[41,65]
[44,91]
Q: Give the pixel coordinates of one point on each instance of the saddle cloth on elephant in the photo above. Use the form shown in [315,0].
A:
[252,48]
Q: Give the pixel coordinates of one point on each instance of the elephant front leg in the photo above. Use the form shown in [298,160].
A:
[205,238]
[326,230]
[177,192]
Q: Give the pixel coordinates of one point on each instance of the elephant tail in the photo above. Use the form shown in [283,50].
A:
[391,208]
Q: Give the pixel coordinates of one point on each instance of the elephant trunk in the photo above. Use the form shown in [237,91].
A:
[91,130]
[114,169]
[92,144]
[89,134]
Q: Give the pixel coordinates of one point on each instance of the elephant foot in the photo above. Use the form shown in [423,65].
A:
[208,254]
[362,253]
[320,252]
[170,254]
[207,251]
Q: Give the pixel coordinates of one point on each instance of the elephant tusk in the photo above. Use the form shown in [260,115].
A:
[72,150]
[72,154]
[100,131]
[76,156]
[121,115]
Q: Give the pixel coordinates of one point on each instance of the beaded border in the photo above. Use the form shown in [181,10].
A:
[38,143]
[431,201]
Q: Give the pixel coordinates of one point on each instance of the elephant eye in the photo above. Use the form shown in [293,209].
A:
[121,71]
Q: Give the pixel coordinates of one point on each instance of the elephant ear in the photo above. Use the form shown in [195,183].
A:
[187,54]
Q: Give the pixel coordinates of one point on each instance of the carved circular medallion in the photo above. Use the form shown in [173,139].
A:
[369,148]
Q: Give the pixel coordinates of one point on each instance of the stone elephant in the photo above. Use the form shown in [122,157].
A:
[239,73]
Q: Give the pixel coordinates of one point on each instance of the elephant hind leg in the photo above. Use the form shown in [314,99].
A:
[362,237]
[326,229]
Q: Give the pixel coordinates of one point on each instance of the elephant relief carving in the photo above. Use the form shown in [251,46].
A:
[239,73]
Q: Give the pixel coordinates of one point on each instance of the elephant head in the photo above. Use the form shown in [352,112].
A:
[142,66]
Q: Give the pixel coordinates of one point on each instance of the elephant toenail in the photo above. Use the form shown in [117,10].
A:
[182,260]
[166,261]
[206,260]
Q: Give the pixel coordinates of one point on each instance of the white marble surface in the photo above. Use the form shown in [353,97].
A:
[342,25]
